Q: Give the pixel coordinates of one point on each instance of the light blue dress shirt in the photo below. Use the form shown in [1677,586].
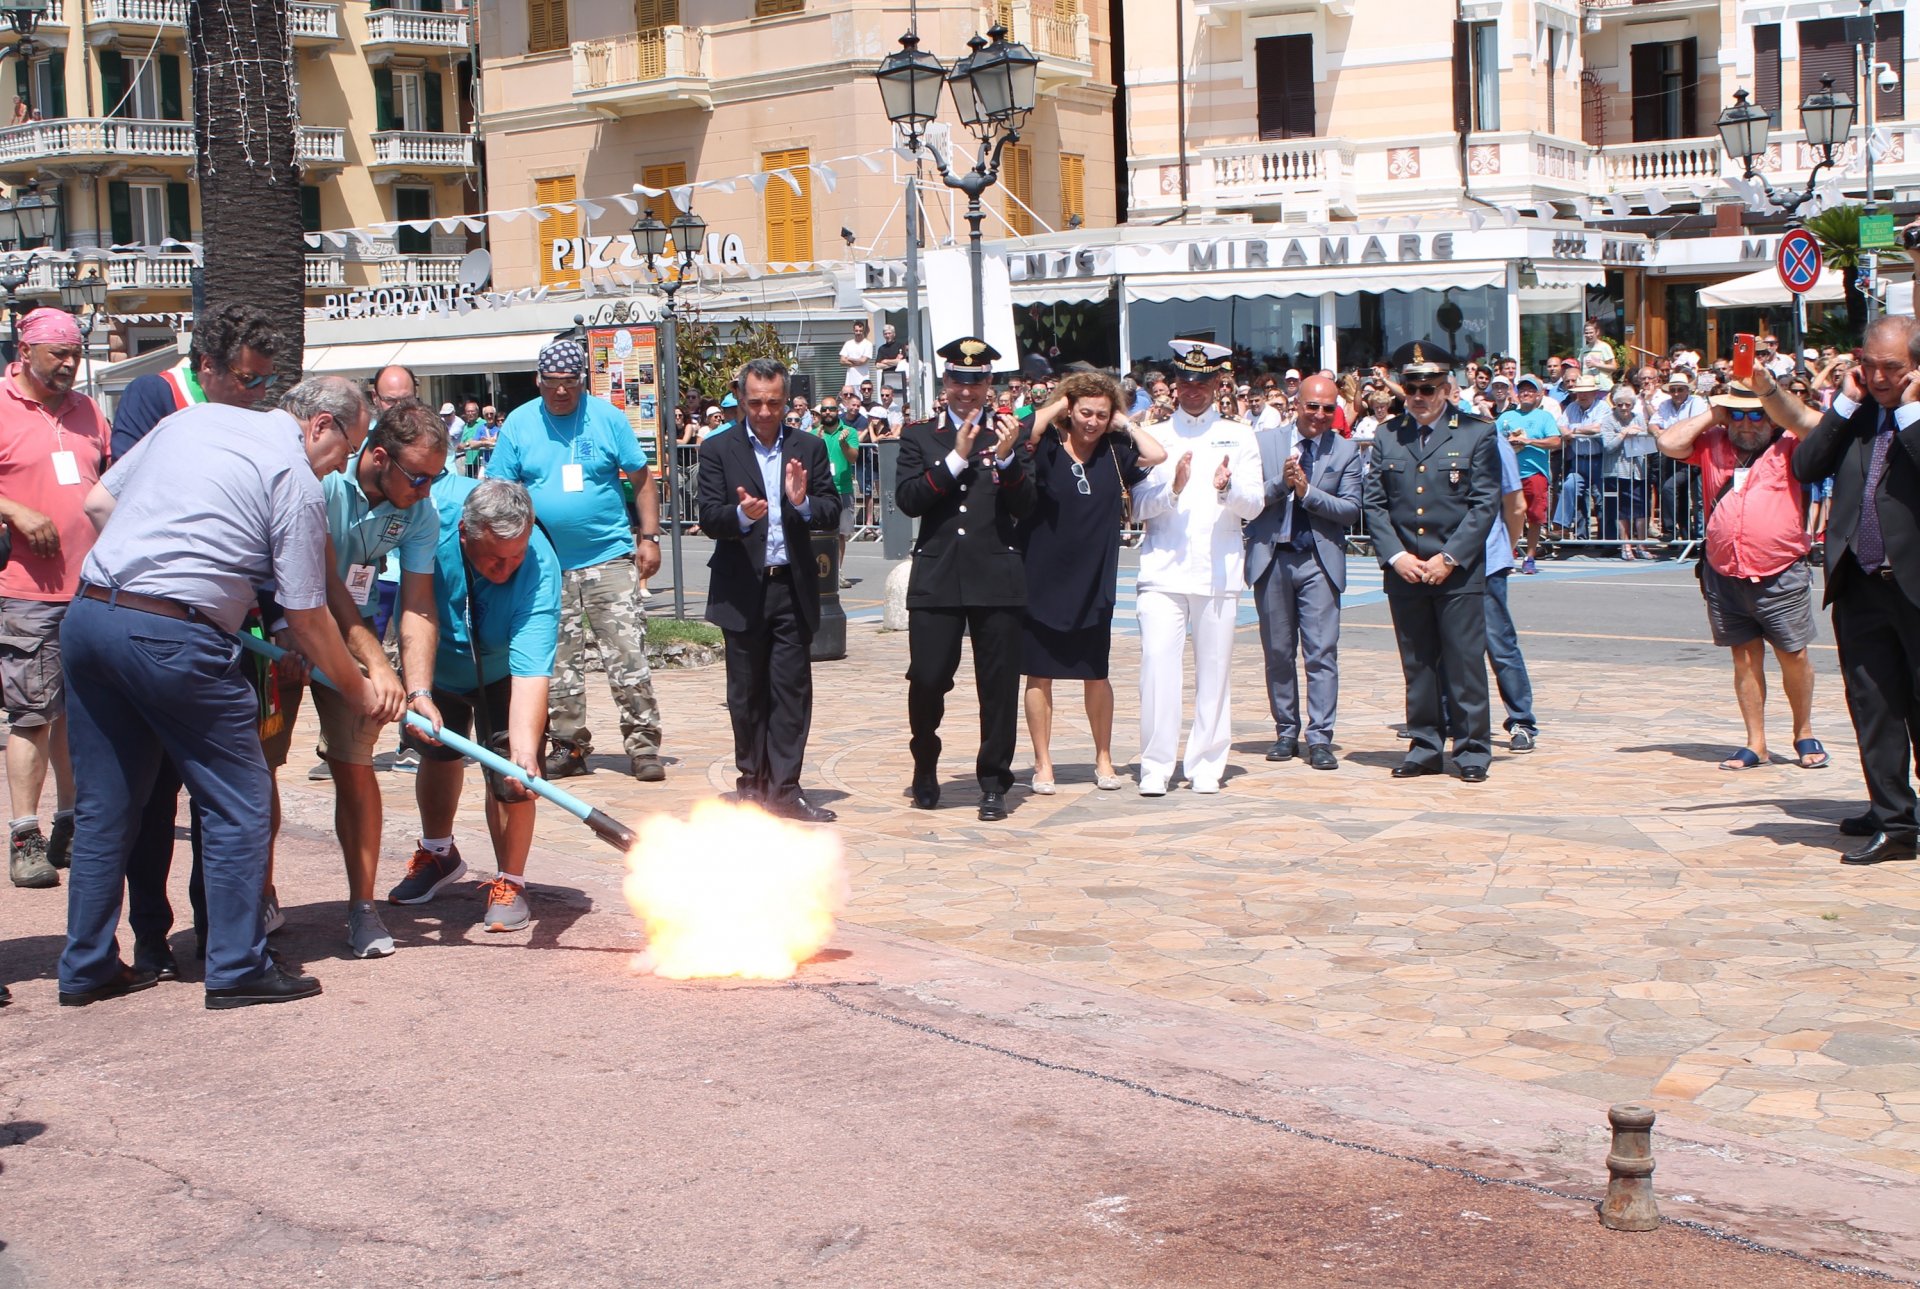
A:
[770,479]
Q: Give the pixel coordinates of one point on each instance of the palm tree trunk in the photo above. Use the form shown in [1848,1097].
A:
[245,120]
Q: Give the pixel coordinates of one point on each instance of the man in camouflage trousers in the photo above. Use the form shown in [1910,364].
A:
[570,449]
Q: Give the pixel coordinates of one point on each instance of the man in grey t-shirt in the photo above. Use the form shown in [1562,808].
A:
[209,506]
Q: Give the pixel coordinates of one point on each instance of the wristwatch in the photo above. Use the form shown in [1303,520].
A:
[649,537]
[418,693]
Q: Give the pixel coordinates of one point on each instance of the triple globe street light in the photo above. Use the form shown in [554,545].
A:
[1826,116]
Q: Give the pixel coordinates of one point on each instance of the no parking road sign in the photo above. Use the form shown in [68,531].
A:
[1798,261]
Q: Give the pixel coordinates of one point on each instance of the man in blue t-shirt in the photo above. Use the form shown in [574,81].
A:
[495,573]
[570,448]
[1532,432]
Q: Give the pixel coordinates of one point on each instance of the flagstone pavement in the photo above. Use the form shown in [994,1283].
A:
[1612,916]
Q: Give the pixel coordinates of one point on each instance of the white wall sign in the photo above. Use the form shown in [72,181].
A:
[575,253]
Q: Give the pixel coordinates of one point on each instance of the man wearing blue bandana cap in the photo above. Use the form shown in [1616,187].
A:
[570,448]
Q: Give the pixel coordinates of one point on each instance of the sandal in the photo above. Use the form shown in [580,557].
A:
[1807,747]
[1108,782]
[1745,759]
[1043,787]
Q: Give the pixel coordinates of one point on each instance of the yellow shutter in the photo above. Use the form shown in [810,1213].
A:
[670,174]
[557,228]
[1073,187]
[771,8]
[789,214]
[1016,174]
[1003,13]
[546,25]
[655,13]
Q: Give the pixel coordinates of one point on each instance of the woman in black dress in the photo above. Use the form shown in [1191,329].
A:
[1085,459]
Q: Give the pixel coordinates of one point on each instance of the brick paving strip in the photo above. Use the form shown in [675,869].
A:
[1462,975]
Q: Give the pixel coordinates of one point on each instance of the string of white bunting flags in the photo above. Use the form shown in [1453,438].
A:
[593,207]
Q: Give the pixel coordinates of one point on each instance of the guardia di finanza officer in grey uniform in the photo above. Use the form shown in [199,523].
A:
[1432,496]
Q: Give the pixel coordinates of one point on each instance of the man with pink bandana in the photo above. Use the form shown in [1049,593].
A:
[53,447]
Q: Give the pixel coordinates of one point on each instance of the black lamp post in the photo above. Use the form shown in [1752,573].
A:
[994,87]
[27,218]
[1827,117]
[85,296]
[650,238]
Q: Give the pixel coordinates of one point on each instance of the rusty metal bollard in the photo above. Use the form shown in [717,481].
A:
[1629,1205]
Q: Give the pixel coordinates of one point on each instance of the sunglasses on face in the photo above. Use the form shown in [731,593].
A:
[560,382]
[245,381]
[1423,390]
[1316,407]
[417,481]
[1746,414]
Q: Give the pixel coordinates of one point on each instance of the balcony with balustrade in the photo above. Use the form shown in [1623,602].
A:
[415,32]
[326,272]
[658,69]
[111,20]
[1307,178]
[1056,31]
[312,23]
[78,140]
[321,148]
[420,270]
[419,150]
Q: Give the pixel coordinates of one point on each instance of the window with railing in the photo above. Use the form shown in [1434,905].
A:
[1283,86]
[1665,76]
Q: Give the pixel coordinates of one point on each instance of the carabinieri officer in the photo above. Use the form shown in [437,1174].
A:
[1431,498]
[964,478]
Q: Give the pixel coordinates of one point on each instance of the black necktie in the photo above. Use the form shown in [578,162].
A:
[1300,531]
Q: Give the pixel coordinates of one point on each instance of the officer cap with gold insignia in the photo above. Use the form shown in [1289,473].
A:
[1422,358]
[969,360]
[1199,359]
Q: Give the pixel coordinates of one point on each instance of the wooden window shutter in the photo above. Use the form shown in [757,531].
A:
[384,117]
[653,14]
[1073,187]
[1889,47]
[1283,78]
[557,227]
[172,101]
[436,121]
[789,214]
[1766,70]
[667,174]
[120,211]
[56,105]
[113,83]
[1824,51]
[546,25]
[1647,81]
[179,212]
[773,8]
[1689,88]
[1016,175]
[309,208]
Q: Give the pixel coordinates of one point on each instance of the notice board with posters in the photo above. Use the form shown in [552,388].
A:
[623,367]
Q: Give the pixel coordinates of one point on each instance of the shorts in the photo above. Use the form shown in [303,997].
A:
[1777,608]
[34,689]
[277,744]
[847,514]
[1535,487]
[457,717]
[1630,499]
[345,735]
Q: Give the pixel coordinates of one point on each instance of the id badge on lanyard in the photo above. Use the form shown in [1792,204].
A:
[66,468]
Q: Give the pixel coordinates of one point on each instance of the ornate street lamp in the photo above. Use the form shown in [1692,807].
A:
[910,81]
[1827,117]
[688,233]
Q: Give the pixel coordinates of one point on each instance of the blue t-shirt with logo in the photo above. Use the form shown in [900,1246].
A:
[1537,424]
[518,620]
[588,526]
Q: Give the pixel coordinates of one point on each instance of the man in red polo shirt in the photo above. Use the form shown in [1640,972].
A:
[1755,577]
[53,446]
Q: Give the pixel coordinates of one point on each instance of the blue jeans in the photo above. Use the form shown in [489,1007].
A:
[139,686]
[1581,490]
[1509,667]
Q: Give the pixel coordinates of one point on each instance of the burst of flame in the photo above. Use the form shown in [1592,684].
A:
[733,891]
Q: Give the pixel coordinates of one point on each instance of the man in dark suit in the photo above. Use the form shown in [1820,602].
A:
[1431,498]
[964,478]
[1297,567]
[1868,443]
[763,490]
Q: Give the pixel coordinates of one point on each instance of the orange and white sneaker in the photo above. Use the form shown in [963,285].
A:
[506,906]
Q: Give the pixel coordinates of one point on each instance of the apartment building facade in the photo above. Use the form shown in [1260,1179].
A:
[585,98]
[1317,114]
[386,134]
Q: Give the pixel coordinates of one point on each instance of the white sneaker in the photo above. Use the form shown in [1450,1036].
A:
[1207,787]
[367,935]
[645,595]
[1153,786]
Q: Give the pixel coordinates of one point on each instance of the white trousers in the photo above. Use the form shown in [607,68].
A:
[1166,620]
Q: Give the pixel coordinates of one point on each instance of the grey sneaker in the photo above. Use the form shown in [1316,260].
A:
[366,933]
[270,913]
[60,842]
[426,874]
[506,908]
[1522,740]
[27,862]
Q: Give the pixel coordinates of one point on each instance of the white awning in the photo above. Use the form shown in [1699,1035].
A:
[461,355]
[1161,287]
[1764,288]
[1084,291]
[350,360]
[1571,275]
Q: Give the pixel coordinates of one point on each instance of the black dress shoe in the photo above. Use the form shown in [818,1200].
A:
[156,958]
[128,981]
[1880,850]
[270,985]
[926,792]
[1859,825]
[1473,774]
[1321,757]
[992,806]
[6,995]
[1413,770]
[1284,749]
[802,811]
